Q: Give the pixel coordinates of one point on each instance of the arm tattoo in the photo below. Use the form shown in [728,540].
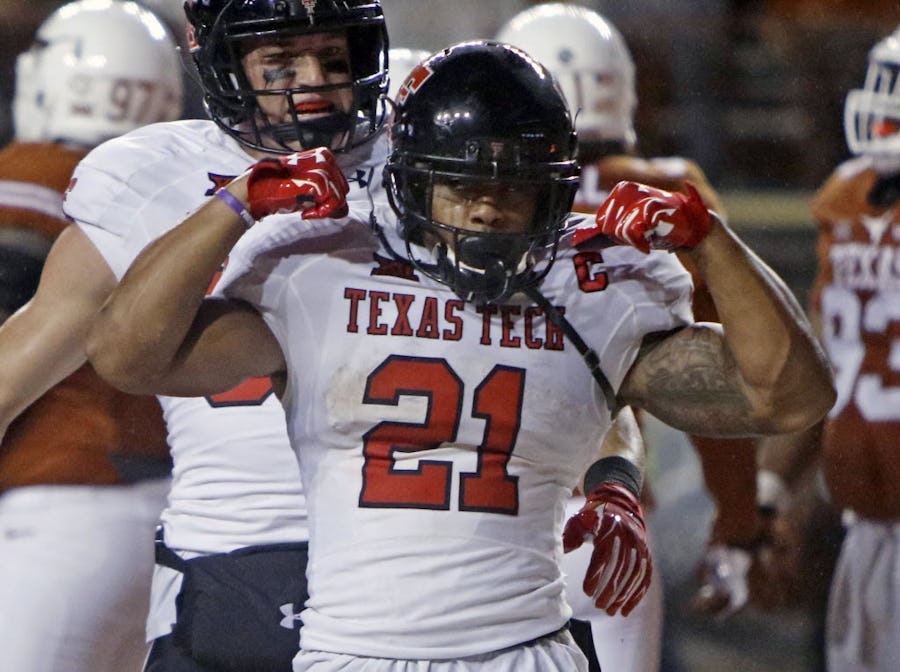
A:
[691,381]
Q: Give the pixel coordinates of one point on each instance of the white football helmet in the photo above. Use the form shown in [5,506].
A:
[170,11]
[872,113]
[96,69]
[589,57]
[401,61]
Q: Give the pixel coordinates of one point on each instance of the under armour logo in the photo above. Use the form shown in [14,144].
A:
[291,618]
[360,179]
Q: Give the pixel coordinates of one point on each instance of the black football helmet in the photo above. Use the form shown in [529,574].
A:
[481,113]
[217,29]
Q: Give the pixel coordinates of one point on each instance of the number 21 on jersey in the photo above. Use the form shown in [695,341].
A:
[497,401]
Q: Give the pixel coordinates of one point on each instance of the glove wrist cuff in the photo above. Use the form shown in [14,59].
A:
[613,469]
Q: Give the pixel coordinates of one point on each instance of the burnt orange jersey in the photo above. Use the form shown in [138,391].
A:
[33,178]
[884,12]
[857,296]
[82,431]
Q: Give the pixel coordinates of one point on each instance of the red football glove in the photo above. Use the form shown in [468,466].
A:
[309,182]
[619,573]
[650,218]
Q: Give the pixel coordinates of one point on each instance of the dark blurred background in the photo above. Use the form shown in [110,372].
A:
[753,90]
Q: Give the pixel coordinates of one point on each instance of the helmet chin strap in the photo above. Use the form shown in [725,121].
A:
[481,269]
[483,252]
[493,270]
[591,360]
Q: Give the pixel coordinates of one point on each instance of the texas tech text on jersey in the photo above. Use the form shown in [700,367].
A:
[381,313]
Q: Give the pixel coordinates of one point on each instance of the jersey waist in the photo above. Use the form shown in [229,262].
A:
[445,599]
[215,529]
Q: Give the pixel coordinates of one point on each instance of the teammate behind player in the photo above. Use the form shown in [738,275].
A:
[440,408]
[236,485]
[593,64]
[856,304]
[83,468]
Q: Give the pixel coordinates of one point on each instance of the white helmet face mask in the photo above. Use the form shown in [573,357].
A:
[872,113]
[96,69]
[401,62]
[591,61]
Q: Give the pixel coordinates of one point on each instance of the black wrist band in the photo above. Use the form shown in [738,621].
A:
[616,470]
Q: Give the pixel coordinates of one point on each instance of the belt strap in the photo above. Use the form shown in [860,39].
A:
[591,360]
[165,556]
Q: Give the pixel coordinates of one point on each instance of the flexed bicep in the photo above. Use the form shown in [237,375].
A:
[227,343]
[690,380]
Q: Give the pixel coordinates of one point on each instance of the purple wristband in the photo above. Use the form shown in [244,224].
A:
[232,202]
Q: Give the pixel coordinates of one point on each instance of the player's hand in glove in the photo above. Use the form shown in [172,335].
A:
[619,573]
[308,182]
[649,218]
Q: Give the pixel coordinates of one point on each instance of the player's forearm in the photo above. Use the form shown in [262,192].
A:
[624,439]
[624,443]
[38,349]
[729,473]
[779,360]
[789,456]
[141,329]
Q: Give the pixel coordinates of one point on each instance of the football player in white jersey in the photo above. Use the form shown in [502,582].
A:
[445,382]
[644,626]
[84,469]
[278,77]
